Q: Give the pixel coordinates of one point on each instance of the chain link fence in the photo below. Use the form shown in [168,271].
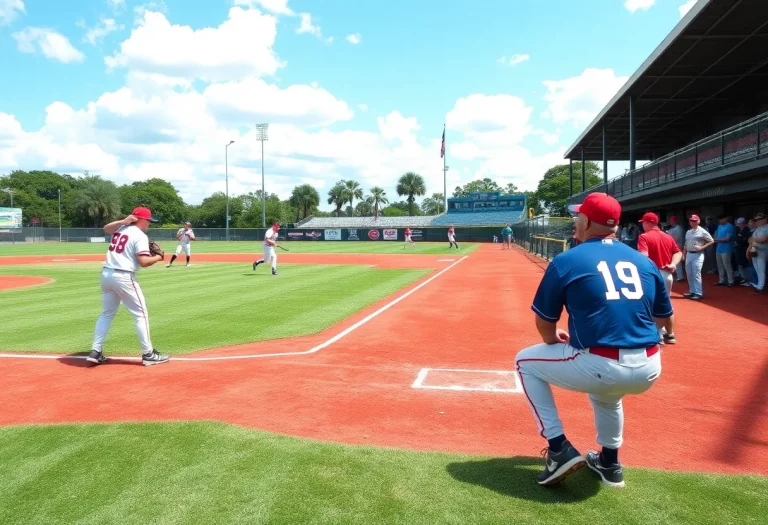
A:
[544,236]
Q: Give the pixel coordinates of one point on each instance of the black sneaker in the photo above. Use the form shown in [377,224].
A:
[274,272]
[96,357]
[611,475]
[670,339]
[154,358]
[696,297]
[689,295]
[559,466]
[255,264]
[721,284]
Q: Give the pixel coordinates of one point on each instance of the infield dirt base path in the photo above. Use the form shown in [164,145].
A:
[708,412]
[8,282]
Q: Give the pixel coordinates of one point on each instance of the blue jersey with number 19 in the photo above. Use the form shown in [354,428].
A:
[611,292]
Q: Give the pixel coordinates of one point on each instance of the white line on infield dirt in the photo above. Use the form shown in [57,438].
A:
[312,350]
[419,382]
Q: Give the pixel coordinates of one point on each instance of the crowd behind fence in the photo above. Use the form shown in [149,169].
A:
[544,236]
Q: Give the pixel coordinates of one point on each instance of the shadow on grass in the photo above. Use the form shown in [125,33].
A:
[77,360]
[516,477]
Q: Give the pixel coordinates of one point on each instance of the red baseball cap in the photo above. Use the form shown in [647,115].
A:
[143,213]
[650,217]
[600,208]
[673,218]
[276,225]
[694,218]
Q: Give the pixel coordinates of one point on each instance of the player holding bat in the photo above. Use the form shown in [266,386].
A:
[270,241]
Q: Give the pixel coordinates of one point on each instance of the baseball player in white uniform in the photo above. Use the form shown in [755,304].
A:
[185,235]
[128,251]
[270,241]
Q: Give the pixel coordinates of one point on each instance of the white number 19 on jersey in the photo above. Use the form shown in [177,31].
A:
[627,273]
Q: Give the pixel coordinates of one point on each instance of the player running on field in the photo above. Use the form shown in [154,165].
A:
[128,251]
[452,238]
[616,298]
[185,235]
[506,236]
[408,239]
[270,241]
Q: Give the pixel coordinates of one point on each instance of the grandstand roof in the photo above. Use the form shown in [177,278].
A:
[709,73]
[367,222]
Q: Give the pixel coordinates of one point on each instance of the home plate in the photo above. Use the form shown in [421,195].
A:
[502,381]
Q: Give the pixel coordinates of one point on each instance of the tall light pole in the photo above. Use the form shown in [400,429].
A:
[9,191]
[59,214]
[261,135]
[445,186]
[226,178]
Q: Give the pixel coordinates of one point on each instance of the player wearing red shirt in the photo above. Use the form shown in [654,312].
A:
[452,238]
[408,238]
[662,249]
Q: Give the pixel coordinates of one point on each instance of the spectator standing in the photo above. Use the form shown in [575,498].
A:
[677,233]
[710,255]
[759,250]
[662,249]
[697,240]
[746,270]
[629,235]
[724,240]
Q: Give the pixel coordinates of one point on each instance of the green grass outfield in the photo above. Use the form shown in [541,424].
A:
[204,306]
[206,473]
[81,248]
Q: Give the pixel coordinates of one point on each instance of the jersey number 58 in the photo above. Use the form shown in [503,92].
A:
[118,243]
[627,273]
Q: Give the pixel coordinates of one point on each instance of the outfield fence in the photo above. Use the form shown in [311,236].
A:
[428,234]
[544,236]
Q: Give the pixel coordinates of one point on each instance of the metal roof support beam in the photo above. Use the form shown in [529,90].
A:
[631,132]
[605,160]
[583,172]
[570,179]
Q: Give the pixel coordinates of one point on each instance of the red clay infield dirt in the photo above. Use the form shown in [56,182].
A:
[708,412]
[21,281]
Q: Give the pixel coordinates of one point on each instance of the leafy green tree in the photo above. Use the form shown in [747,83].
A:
[378,197]
[553,188]
[392,211]
[158,195]
[338,196]
[433,205]
[354,191]
[305,199]
[510,189]
[412,185]
[364,208]
[98,200]
[484,185]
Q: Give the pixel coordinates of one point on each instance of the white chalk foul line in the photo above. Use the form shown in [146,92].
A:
[312,350]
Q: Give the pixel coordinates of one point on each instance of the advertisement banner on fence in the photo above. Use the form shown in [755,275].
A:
[352,235]
[295,235]
[10,217]
[390,235]
[417,235]
[332,235]
[315,236]
[373,235]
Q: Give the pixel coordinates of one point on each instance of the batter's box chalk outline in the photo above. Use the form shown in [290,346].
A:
[482,386]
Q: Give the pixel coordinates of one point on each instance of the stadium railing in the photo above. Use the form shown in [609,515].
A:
[544,236]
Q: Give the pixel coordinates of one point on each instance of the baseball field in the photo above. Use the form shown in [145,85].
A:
[363,384]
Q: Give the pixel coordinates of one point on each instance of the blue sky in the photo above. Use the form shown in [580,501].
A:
[361,90]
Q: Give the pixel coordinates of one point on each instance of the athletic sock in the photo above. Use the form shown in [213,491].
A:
[556,444]
[609,456]
[188,257]
[173,258]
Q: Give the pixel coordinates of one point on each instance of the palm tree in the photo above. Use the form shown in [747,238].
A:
[378,197]
[305,198]
[411,184]
[432,205]
[338,196]
[98,200]
[354,191]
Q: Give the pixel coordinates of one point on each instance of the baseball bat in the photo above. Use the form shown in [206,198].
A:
[286,249]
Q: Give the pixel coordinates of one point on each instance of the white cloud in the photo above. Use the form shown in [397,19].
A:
[100,30]
[307,27]
[638,5]
[116,5]
[579,99]
[154,6]
[363,107]
[354,38]
[513,60]
[9,10]
[548,138]
[686,7]
[397,127]
[238,48]
[278,7]
[33,40]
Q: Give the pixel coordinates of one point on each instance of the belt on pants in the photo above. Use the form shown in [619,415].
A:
[613,353]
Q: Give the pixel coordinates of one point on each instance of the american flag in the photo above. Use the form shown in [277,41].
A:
[442,147]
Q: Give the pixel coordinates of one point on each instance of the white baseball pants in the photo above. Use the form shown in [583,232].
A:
[116,287]
[186,247]
[269,252]
[725,267]
[605,380]
[694,261]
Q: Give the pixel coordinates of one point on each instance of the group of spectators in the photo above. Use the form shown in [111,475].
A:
[736,252]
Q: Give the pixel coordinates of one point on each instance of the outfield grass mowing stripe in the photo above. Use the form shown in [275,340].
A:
[213,473]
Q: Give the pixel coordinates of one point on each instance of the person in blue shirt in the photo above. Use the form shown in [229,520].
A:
[725,237]
[616,300]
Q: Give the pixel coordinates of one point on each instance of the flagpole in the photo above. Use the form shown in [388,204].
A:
[445,174]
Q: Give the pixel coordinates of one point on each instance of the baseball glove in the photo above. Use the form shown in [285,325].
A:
[155,249]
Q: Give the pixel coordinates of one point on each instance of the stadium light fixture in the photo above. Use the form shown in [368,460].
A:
[261,136]
[226,178]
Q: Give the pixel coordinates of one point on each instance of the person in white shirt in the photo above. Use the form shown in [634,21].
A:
[676,231]
[185,235]
[697,240]
[270,241]
[758,251]
[128,251]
